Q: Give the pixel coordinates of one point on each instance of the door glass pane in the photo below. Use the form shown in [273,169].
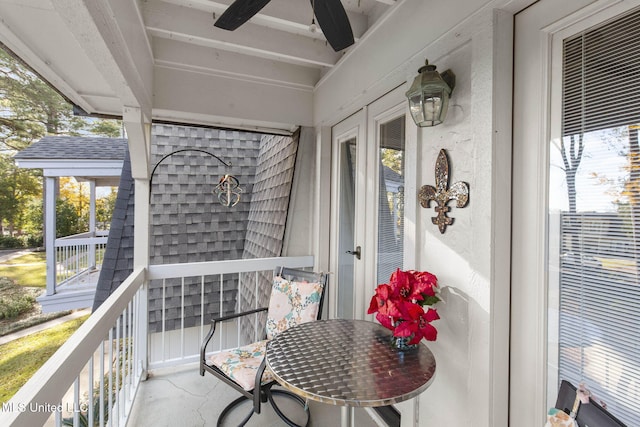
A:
[594,220]
[391,198]
[346,228]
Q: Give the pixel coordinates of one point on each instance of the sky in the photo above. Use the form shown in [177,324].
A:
[600,177]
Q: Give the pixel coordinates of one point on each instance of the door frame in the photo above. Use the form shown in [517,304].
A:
[351,127]
[364,125]
[386,108]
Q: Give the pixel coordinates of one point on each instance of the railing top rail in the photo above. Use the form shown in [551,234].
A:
[77,236]
[69,241]
[57,374]
[167,271]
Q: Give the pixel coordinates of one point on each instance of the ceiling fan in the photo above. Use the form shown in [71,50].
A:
[332,19]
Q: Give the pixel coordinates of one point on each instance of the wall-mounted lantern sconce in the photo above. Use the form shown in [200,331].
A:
[429,95]
[228,189]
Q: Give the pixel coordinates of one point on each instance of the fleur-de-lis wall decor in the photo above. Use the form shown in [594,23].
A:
[442,194]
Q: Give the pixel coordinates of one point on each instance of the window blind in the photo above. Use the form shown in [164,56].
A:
[391,199]
[602,76]
[599,215]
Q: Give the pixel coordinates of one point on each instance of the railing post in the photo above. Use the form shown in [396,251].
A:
[138,125]
[92,225]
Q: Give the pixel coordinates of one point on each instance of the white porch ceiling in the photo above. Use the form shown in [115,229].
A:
[166,57]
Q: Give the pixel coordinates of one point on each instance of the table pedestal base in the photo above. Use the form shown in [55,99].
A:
[346,416]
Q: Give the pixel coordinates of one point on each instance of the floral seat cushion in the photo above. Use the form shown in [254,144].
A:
[292,303]
[241,364]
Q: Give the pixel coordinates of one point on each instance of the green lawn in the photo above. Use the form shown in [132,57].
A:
[26,270]
[31,257]
[21,358]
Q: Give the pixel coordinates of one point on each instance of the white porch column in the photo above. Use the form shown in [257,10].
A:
[322,207]
[92,206]
[92,223]
[50,195]
[139,135]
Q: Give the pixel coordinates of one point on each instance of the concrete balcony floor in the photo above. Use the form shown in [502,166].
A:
[181,397]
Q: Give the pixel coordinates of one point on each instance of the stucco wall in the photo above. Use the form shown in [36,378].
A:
[471,257]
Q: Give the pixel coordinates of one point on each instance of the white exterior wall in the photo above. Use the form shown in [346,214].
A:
[471,259]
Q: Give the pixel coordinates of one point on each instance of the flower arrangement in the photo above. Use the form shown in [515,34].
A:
[399,305]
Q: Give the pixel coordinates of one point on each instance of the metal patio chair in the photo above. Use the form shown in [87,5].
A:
[586,415]
[296,297]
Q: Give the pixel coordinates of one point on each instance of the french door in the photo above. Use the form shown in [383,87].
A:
[575,291]
[369,183]
[349,182]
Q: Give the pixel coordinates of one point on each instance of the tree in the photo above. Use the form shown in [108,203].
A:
[76,193]
[29,110]
[104,209]
[17,187]
[67,220]
[571,158]
[107,128]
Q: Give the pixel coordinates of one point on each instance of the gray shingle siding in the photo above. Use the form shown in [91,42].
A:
[189,225]
[187,222]
[267,216]
[118,257]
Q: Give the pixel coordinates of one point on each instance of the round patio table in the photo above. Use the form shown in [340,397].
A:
[348,363]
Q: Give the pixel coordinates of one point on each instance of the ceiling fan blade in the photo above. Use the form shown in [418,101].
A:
[333,20]
[238,13]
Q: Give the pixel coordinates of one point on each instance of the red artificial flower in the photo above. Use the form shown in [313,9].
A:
[386,321]
[379,298]
[426,282]
[419,328]
[398,305]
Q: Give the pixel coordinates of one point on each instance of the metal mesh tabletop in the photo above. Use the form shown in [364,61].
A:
[348,362]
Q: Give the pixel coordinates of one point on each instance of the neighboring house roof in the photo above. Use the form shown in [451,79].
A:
[392,176]
[86,158]
[75,147]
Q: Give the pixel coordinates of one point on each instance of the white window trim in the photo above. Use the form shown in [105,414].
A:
[533,122]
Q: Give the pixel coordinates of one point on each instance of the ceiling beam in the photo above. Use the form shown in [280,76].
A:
[293,17]
[192,26]
[191,57]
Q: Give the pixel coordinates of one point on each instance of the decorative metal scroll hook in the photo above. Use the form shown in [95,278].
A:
[228,189]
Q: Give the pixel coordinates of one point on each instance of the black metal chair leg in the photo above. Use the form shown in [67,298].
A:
[230,407]
[293,396]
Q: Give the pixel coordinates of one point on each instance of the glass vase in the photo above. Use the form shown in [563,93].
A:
[402,343]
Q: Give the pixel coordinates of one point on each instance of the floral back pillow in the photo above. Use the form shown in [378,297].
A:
[292,303]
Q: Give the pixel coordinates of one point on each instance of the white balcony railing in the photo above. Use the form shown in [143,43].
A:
[93,378]
[78,255]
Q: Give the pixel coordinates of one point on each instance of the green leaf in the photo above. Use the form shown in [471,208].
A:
[430,300]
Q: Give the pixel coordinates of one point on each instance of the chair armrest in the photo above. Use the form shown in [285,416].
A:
[236,315]
[212,330]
